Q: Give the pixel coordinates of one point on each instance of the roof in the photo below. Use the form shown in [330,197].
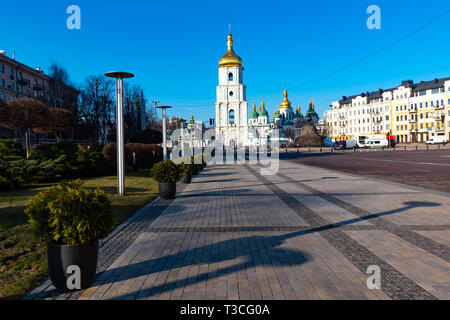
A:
[421,86]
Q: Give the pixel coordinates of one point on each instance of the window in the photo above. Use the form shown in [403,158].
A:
[426,104]
[230,77]
[11,74]
[2,96]
[434,91]
[2,83]
[2,68]
[231,93]
[231,117]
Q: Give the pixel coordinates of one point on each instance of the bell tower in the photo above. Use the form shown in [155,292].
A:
[231,102]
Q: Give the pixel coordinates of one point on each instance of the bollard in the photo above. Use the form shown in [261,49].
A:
[427,147]
[417,147]
[320,150]
[298,150]
[405,148]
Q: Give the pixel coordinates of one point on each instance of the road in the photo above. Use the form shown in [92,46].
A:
[428,169]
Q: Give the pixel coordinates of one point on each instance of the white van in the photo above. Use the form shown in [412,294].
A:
[377,143]
[437,140]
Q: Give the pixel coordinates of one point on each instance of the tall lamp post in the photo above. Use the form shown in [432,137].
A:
[119,76]
[164,108]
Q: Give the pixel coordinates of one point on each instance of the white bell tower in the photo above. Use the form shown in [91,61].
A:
[231,104]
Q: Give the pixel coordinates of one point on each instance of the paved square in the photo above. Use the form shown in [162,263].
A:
[303,233]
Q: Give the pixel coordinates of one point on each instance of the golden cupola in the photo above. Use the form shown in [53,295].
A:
[230,59]
[286,104]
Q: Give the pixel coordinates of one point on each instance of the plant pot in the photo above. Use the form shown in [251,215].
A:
[199,167]
[186,177]
[194,170]
[167,190]
[61,257]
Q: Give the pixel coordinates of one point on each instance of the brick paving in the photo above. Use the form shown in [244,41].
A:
[302,233]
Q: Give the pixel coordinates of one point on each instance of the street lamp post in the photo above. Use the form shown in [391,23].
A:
[119,76]
[163,108]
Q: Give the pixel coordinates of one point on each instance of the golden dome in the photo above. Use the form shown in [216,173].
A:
[259,109]
[311,104]
[254,107]
[230,59]
[286,104]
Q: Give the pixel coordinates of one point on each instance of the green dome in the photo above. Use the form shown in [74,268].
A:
[263,113]
[254,114]
[192,120]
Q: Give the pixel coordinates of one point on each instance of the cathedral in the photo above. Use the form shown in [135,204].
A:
[233,125]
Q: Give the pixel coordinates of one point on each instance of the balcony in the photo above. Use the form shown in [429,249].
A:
[23,82]
[439,107]
[412,120]
[38,87]
[414,110]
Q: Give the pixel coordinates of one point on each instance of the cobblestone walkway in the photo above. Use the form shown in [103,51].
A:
[302,233]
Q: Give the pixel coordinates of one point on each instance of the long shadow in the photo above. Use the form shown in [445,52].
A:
[257,250]
[222,251]
[212,181]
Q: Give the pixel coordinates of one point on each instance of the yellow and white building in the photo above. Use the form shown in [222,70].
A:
[410,112]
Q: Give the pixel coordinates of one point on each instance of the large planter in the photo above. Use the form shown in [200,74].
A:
[186,177]
[194,170]
[61,257]
[199,167]
[167,190]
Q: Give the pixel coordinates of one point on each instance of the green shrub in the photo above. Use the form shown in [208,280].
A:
[69,214]
[145,155]
[91,164]
[183,167]
[166,171]
[54,151]
[11,148]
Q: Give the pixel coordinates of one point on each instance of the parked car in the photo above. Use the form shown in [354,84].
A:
[437,140]
[377,143]
[346,144]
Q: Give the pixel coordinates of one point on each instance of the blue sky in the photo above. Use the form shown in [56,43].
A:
[173,47]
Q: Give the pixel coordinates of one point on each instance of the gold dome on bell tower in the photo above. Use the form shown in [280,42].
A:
[230,59]
[286,104]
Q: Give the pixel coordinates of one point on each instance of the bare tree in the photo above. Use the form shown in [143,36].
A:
[24,114]
[96,106]
[151,118]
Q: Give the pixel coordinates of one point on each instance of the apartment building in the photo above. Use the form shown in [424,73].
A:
[18,80]
[411,112]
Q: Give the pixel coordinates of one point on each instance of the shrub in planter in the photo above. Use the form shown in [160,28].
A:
[186,172]
[167,174]
[71,219]
[194,167]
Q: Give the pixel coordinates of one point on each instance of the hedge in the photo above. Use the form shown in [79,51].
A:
[145,155]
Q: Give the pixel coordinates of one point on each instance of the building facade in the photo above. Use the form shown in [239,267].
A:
[233,125]
[19,81]
[411,112]
[231,102]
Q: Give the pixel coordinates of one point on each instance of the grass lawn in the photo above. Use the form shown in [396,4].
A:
[23,260]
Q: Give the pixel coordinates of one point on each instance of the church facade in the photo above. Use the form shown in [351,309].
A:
[233,125]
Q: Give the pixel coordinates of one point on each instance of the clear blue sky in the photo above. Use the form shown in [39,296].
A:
[173,47]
